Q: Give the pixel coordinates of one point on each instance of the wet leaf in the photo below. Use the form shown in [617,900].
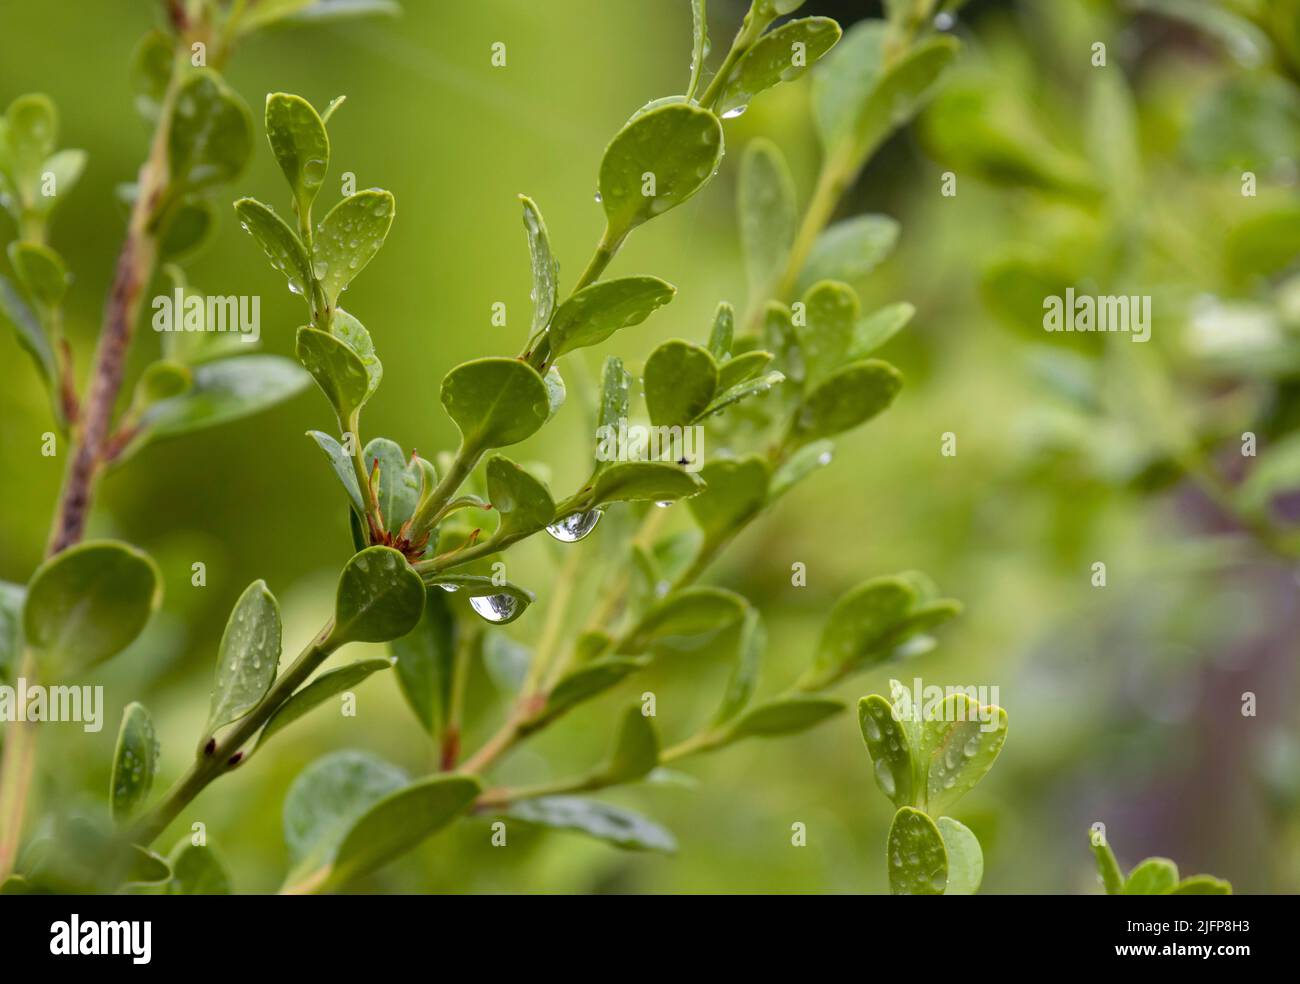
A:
[399,481]
[960,741]
[280,243]
[495,402]
[379,598]
[890,749]
[845,399]
[300,145]
[782,55]
[594,313]
[680,381]
[341,462]
[918,861]
[135,762]
[643,481]
[247,658]
[318,691]
[524,503]
[612,824]
[338,371]
[546,269]
[349,237]
[211,135]
[965,857]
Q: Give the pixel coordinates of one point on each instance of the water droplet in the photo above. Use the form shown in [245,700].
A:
[824,458]
[885,778]
[598,198]
[495,608]
[664,503]
[944,22]
[872,728]
[575,526]
[449,588]
[971,748]
[313,171]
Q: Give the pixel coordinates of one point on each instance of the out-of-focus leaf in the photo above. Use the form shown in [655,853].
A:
[211,135]
[424,662]
[965,857]
[851,249]
[768,213]
[135,761]
[318,691]
[611,824]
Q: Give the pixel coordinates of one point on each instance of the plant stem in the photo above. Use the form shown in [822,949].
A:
[447,487]
[544,652]
[450,750]
[16,768]
[222,759]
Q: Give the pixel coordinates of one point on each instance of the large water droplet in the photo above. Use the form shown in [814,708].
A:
[885,778]
[575,526]
[313,172]
[664,503]
[495,608]
[731,114]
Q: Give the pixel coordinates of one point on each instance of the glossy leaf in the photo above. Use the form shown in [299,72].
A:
[424,662]
[318,691]
[379,598]
[196,870]
[300,145]
[247,658]
[87,604]
[525,504]
[135,762]
[831,314]
[680,381]
[676,146]
[583,684]
[594,313]
[742,368]
[735,490]
[615,396]
[280,243]
[851,249]
[338,371]
[741,391]
[211,135]
[781,55]
[643,481]
[783,716]
[960,741]
[965,857]
[722,334]
[1154,876]
[1202,885]
[917,859]
[495,402]
[845,399]
[341,462]
[636,748]
[612,824]
[353,334]
[890,748]
[399,822]
[699,45]
[496,601]
[879,327]
[349,237]
[688,614]
[546,269]
[399,481]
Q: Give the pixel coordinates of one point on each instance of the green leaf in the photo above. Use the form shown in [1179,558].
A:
[186,228]
[781,55]
[1276,472]
[280,243]
[636,749]
[844,81]
[695,614]
[680,381]
[399,481]
[222,391]
[612,824]
[735,490]
[1202,885]
[845,399]
[831,313]
[546,269]
[151,71]
[41,271]
[64,168]
[643,481]
[751,639]
[851,249]
[799,466]
[196,870]
[582,685]
[751,387]
[349,237]
[87,604]
[495,402]
[11,628]
[615,390]
[868,623]
[248,657]
[594,313]
[890,748]
[135,762]
[326,799]
[960,741]
[525,504]
[1108,870]
[338,371]
[424,662]
[211,135]
[31,133]
[879,327]
[318,691]
[722,334]
[660,158]
[399,822]
[329,11]
[917,859]
[353,334]
[965,857]
[300,144]
[742,368]
[769,214]
[1154,876]
[31,333]
[699,45]
[783,716]
[379,598]
[341,462]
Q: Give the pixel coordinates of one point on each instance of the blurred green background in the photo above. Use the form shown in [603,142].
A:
[1124,702]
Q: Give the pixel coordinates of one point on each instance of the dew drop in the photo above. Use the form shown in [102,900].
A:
[575,526]
[664,503]
[885,778]
[495,608]
[449,588]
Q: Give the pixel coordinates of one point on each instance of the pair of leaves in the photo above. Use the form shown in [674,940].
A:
[87,604]
[926,857]
[929,757]
[350,813]
[883,618]
[1154,876]
[343,363]
[684,382]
